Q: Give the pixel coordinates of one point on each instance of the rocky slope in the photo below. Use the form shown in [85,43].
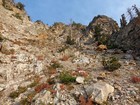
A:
[42,65]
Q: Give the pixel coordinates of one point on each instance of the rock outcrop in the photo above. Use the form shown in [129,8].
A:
[128,38]
[106,25]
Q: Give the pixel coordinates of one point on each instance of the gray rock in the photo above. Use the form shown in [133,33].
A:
[128,56]
[64,99]
[46,99]
[2,87]
[94,80]
[80,80]
[81,60]
[100,91]
[137,58]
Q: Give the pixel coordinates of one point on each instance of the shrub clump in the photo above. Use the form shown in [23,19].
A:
[55,65]
[62,49]
[18,16]
[20,90]
[111,64]
[70,41]
[135,79]
[25,102]
[14,94]
[20,6]
[66,77]
[1,38]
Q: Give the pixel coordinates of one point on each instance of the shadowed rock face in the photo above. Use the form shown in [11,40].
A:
[128,38]
[107,25]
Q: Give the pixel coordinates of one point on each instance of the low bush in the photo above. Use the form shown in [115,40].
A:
[15,94]
[1,38]
[103,39]
[63,49]
[18,16]
[30,96]
[70,41]
[32,84]
[55,65]
[42,86]
[111,64]
[20,6]
[77,25]
[66,77]
[25,102]
[112,46]
[135,79]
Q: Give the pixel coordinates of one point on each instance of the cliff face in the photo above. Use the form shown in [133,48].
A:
[128,38]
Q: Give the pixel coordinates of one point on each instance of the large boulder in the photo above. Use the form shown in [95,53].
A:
[99,92]
[128,38]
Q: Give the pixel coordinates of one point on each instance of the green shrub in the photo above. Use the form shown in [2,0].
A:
[15,94]
[63,49]
[22,89]
[77,25]
[111,64]
[103,39]
[55,65]
[97,31]
[25,102]
[70,41]
[66,77]
[1,38]
[20,6]
[32,84]
[18,16]
[100,37]
[112,46]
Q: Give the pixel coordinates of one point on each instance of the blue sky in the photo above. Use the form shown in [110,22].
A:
[80,11]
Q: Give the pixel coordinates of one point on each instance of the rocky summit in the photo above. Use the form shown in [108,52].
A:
[67,64]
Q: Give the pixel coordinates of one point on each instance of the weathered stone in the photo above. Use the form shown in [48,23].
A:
[2,87]
[128,56]
[100,91]
[45,99]
[80,80]
[81,60]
